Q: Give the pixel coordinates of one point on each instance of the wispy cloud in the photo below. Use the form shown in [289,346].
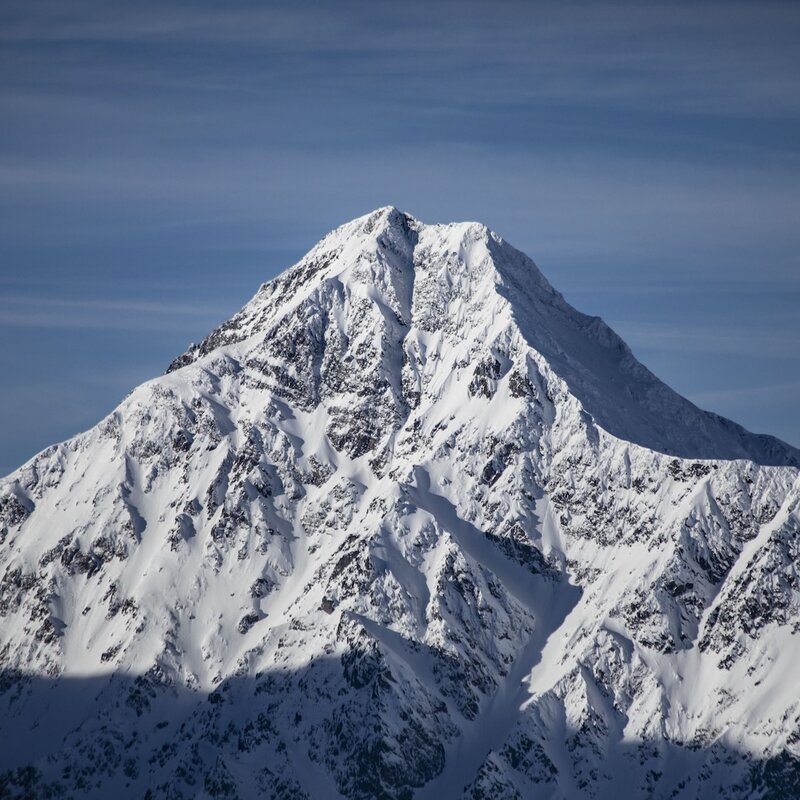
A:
[697,58]
[108,314]
[747,394]
[575,204]
[685,337]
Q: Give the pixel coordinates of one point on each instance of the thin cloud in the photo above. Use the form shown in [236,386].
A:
[748,395]
[731,58]
[708,339]
[106,305]
[104,314]
[575,202]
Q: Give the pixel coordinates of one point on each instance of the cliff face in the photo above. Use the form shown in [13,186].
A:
[408,525]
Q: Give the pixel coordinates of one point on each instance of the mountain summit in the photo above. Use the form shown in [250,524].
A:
[407,525]
[468,270]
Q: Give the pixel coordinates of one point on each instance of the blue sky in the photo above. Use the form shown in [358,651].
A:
[158,161]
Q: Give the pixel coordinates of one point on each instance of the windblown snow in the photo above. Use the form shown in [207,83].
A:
[406,526]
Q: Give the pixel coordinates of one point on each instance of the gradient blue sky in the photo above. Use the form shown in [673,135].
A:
[158,161]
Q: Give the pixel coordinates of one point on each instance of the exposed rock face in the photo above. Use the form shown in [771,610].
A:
[408,525]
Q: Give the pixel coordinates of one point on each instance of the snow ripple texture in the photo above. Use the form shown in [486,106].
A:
[406,526]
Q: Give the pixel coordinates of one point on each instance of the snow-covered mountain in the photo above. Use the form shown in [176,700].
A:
[408,525]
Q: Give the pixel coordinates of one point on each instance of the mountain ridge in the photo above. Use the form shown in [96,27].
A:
[371,538]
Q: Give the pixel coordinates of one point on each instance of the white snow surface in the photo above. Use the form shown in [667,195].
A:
[408,525]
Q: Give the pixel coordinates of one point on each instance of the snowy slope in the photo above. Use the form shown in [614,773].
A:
[408,525]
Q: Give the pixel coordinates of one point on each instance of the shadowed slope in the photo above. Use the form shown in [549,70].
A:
[145,740]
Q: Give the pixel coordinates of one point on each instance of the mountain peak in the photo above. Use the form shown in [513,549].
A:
[445,274]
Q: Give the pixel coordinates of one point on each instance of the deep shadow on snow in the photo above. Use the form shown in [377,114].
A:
[130,736]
